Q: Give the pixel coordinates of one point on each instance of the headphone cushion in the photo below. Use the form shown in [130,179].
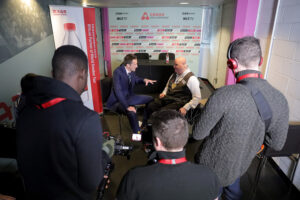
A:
[261,61]
[232,64]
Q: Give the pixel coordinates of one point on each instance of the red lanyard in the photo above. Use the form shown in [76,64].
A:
[50,103]
[172,161]
[252,75]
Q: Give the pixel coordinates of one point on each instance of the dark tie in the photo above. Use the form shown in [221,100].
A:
[129,77]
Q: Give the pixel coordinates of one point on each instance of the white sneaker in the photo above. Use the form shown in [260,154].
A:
[136,137]
[140,123]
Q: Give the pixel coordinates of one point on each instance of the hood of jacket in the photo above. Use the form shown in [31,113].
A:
[40,89]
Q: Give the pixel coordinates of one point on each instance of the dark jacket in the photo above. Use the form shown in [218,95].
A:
[122,89]
[59,146]
[169,181]
[234,131]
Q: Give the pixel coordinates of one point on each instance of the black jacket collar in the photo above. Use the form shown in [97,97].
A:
[170,155]
[248,71]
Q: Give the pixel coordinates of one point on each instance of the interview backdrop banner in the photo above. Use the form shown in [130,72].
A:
[154,31]
[76,26]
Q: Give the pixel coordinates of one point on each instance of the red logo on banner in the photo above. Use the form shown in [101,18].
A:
[145,16]
[59,12]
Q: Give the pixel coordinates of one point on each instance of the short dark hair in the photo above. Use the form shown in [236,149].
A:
[246,50]
[67,60]
[171,128]
[26,82]
[128,59]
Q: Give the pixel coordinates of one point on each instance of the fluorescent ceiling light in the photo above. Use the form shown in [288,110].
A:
[184,3]
[84,3]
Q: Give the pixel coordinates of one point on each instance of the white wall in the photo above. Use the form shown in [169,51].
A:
[223,19]
[284,66]
[34,59]
[212,67]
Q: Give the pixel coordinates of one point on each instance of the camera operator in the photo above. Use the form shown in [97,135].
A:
[59,140]
[172,177]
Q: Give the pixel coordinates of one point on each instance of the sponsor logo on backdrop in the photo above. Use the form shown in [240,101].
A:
[59,12]
[145,16]
[119,17]
[154,15]
[188,13]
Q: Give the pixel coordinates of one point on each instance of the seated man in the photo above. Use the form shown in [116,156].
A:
[172,177]
[182,91]
[59,140]
[122,99]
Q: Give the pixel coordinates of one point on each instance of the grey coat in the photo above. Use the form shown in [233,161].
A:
[233,130]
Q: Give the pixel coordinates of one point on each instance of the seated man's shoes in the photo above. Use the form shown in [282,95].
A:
[136,137]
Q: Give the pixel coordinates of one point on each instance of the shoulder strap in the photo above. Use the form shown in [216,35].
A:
[262,105]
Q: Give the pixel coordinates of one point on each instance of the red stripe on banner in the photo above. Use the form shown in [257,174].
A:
[92,52]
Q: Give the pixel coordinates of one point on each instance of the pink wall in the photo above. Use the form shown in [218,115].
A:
[244,25]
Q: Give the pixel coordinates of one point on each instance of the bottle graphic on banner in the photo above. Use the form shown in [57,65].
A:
[167,58]
[71,37]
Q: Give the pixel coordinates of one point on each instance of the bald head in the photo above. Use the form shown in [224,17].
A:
[180,65]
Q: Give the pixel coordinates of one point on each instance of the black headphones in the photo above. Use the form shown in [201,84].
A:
[232,62]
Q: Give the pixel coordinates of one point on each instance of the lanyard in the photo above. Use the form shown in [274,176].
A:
[252,75]
[50,103]
[172,161]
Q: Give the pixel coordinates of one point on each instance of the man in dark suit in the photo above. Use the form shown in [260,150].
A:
[122,99]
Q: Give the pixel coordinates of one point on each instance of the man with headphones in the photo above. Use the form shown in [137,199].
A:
[238,119]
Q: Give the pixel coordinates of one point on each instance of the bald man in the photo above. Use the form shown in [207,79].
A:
[182,91]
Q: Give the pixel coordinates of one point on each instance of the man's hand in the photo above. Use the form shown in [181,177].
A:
[147,81]
[132,109]
[161,95]
[182,111]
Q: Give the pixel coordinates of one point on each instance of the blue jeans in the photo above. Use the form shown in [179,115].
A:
[132,117]
[233,191]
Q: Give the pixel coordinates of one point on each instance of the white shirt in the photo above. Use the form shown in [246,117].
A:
[194,86]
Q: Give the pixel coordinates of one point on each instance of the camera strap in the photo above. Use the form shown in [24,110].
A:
[262,104]
[172,161]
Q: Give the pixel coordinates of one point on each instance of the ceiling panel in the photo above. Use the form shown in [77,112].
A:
[149,3]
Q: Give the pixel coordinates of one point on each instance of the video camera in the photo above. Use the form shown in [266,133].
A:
[119,148]
[112,146]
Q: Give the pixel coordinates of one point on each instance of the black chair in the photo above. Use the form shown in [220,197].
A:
[193,115]
[142,56]
[162,56]
[106,85]
[291,147]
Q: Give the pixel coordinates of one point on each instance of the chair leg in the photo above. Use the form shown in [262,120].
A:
[120,124]
[261,165]
[292,175]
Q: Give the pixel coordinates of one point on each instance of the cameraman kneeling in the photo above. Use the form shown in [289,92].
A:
[172,177]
